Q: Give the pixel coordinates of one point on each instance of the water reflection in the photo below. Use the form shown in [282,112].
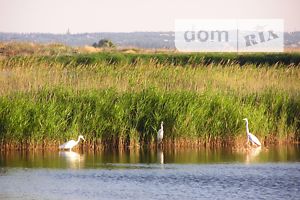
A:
[160,156]
[101,159]
[252,154]
[3,171]
[73,160]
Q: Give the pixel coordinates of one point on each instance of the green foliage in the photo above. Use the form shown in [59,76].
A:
[110,115]
[104,43]
[116,96]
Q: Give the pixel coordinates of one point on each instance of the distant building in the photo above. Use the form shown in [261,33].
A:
[68,32]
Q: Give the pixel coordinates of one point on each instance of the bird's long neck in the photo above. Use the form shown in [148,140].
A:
[78,140]
[247,128]
[161,126]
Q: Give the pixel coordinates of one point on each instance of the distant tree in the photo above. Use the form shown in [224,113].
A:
[95,44]
[104,43]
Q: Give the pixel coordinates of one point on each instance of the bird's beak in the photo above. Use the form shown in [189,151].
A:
[245,119]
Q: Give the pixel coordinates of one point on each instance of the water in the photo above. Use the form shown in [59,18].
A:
[272,173]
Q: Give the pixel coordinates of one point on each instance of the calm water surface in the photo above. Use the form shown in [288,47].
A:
[266,173]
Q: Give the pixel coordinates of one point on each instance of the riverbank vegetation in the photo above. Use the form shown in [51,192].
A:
[119,99]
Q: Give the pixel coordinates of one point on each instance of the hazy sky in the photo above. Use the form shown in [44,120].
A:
[56,16]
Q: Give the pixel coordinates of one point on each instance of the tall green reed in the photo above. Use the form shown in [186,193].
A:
[112,116]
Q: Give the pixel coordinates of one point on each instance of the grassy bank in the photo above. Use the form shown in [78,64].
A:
[120,99]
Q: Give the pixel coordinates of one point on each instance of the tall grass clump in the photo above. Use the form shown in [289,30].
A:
[130,118]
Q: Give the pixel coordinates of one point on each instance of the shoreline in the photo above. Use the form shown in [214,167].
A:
[118,100]
[237,143]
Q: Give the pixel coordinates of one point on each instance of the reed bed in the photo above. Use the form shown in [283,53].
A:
[31,73]
[132,118]
[121,102]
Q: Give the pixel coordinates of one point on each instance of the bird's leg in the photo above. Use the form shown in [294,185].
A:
[247,143]
[160,144]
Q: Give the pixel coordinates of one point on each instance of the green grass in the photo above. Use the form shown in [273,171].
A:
[135,116]
[28,74]
[124,97]
[166,59]
[178,59]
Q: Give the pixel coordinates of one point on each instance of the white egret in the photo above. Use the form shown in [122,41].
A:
[250,137]
[72,143]
[160,133]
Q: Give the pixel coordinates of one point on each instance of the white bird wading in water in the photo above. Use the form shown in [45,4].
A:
[160,133]
[250,137]
[72,143]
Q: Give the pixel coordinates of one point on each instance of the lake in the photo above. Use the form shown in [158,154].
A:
[221,173]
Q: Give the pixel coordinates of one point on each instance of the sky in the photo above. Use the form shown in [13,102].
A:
[81,16]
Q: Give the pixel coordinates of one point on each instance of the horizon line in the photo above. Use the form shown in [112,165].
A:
[77,33]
